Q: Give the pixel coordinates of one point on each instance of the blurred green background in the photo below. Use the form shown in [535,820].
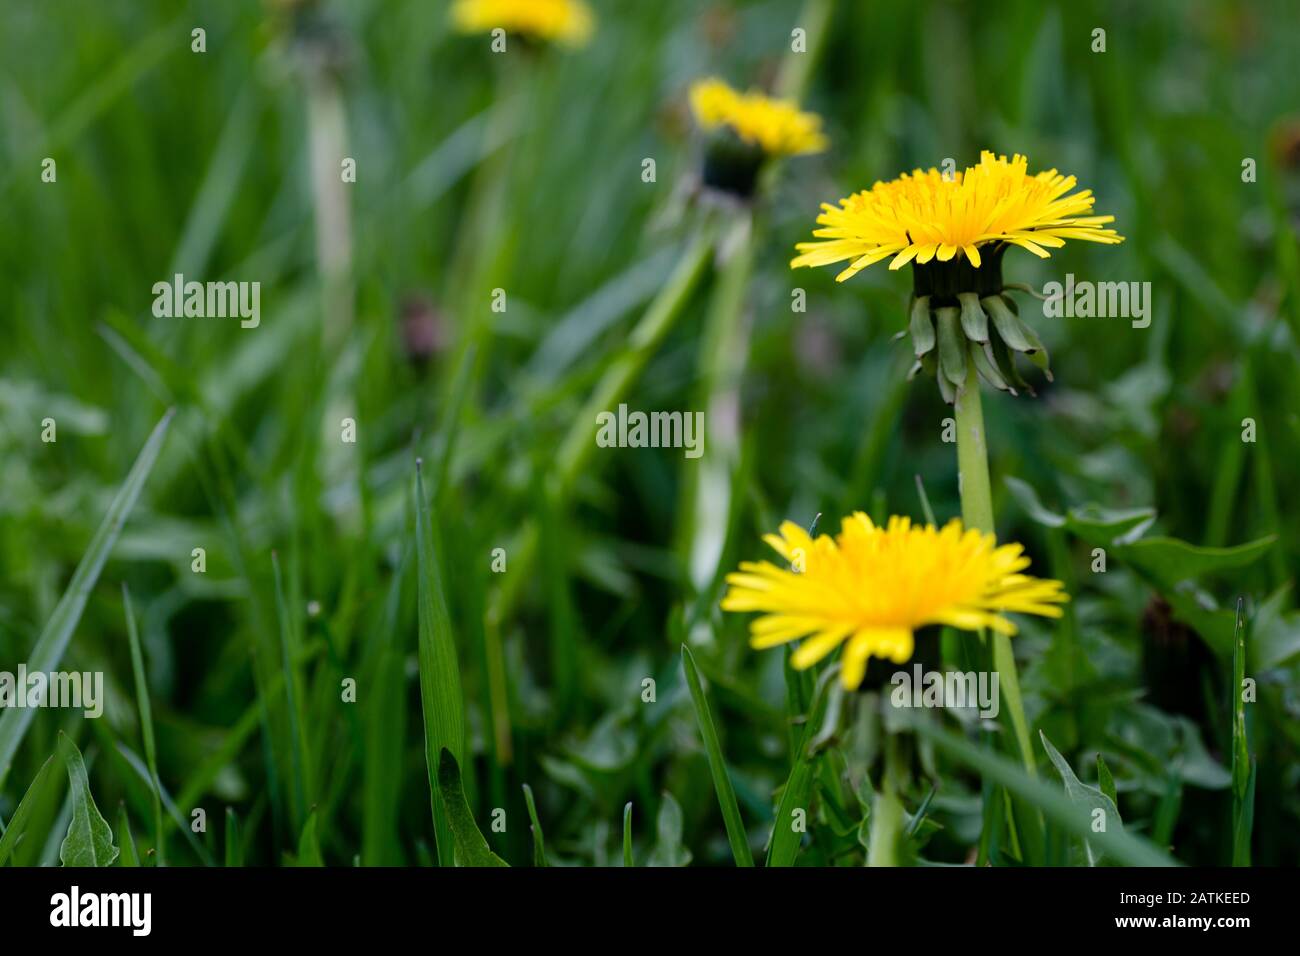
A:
[524,172]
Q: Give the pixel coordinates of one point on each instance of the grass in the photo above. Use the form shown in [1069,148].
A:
[379,656]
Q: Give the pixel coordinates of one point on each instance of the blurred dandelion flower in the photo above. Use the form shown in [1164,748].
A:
[746,129]
[560,21]
[872,587]
[775,126]
[954,229]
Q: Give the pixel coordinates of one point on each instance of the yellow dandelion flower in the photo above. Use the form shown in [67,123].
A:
[872,587]
[953,230]
[775,126]
[927,215]
[561,21]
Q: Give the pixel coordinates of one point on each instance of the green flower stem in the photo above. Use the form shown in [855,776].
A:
[973,456]
[644,342]
[887,812]
[327,130]
[977,512]
[705,506]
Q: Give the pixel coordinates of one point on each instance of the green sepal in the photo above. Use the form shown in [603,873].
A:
[974,320]
[986,365]
[1040,358]
[1009,328]
[921,327]
[1005,361]
[946,388]
[952,345]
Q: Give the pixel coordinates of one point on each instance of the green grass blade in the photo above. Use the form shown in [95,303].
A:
[797,793]
[1243,769]
[130,856]
[1244,823]
[18,822]
[440,693]
[309,845]
[471,846]
[925,502]
[297,740]
[539,841]
[717,764]
[177,818]
[451,422]
[52,643]
[146,723]
[627,835]
[234,849]
[385,739]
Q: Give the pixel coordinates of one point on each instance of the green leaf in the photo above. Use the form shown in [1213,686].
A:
[539,842]
[471,847]
[1087,799]
[1198,612]
[440,695]
[1093,524]
[1117,843]
[1274,632]
[47,653]
[89,841]
[669,850]
[1192,764]
[717,764]
[18,822]
[1170,561]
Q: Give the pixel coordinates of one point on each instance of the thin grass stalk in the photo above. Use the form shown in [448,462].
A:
[726,793]
[1243,767]
[489,222]
[327,147]
[146,724]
